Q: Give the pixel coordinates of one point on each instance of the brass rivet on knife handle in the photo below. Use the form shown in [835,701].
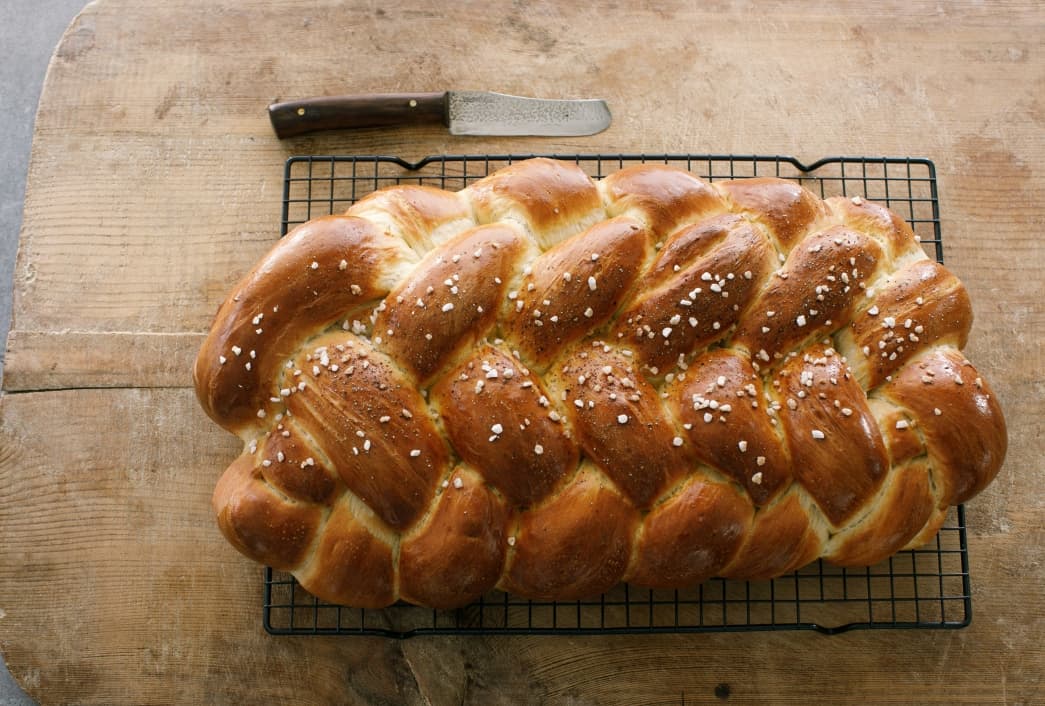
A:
[345,112]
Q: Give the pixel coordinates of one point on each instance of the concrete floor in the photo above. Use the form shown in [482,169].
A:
[29,32]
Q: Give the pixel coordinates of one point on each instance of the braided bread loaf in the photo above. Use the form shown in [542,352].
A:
[550,385]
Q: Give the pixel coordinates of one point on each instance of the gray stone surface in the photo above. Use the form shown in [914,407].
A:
[29,31]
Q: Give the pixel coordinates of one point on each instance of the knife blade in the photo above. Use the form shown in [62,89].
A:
[464,112]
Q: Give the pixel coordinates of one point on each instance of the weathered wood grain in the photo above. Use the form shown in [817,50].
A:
[59,360]
[155,182]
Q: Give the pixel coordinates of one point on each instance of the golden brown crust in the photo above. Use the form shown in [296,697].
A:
[299,287]
[894,425]
[957,414]
[936,520]
[782,538]
[367,419]
[907,503]
[620,423]
[698,288]
[576,545]
[722,400]
[837,451]
[548,385]
[574,287]
[811,295]
[258,522]
[692,536]
[892,232]
[351,565]
[552,200]
[423,216]
[450,300]
[661,197]
[457,555]
[496,415]
[787,210]
[284,455]
[920,305]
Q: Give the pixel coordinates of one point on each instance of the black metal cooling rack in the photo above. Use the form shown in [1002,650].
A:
[924,588]
[321,185]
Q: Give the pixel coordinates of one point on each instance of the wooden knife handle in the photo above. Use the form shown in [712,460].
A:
[372,110]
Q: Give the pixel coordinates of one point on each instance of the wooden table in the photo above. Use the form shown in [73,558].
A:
[155,182]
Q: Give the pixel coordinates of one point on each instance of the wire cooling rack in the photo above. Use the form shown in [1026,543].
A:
[924,588]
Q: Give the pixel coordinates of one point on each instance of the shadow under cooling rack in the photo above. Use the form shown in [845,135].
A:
[927,587]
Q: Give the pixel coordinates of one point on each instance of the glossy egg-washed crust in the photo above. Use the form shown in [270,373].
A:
[549,385]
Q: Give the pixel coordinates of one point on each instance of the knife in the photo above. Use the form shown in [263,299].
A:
[464,112]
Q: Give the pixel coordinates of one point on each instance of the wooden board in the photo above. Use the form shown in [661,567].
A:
[155,183]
